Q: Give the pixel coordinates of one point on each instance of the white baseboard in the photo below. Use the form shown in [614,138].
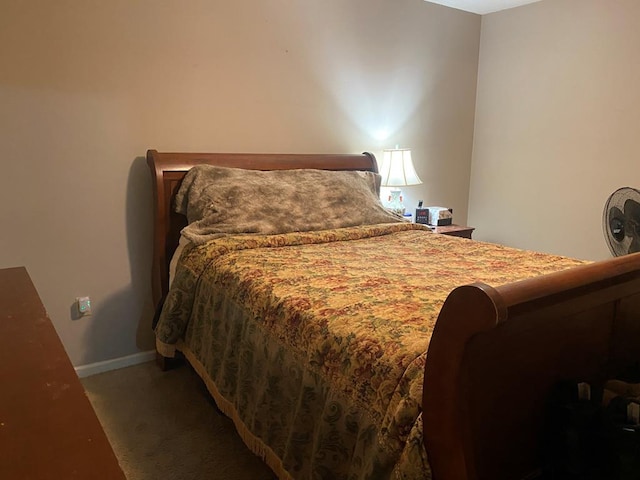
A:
[115,363]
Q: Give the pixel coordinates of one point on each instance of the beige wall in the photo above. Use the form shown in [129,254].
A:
[557,123]
[86,87]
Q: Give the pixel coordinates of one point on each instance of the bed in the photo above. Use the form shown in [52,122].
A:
[470,406]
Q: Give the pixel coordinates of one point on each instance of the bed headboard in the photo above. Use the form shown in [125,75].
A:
[168,170]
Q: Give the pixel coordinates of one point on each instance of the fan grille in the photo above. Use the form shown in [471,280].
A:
[621,221]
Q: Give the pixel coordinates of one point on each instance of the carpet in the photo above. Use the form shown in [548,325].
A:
[165,426]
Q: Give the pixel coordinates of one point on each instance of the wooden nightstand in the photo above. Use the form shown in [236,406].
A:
[454,230]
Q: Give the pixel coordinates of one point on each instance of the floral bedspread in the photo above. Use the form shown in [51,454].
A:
[315,342]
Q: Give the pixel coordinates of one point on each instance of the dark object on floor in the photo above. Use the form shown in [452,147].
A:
[589,435]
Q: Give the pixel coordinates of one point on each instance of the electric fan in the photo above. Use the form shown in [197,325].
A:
[621,221]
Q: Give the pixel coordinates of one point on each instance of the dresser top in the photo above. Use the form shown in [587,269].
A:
[48,429]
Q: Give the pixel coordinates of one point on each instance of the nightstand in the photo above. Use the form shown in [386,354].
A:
[454,230]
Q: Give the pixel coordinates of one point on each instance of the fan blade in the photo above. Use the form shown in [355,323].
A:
[631,207]
[632,216]
[632,223]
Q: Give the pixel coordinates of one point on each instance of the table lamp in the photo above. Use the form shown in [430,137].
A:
[397,171]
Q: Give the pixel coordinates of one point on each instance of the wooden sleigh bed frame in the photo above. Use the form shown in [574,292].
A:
[495,352]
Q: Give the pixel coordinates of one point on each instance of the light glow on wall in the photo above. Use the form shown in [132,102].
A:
[377,89]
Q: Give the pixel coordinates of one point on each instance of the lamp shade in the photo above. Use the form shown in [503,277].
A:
[397,168]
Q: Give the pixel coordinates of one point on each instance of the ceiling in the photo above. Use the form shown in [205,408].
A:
[482,6]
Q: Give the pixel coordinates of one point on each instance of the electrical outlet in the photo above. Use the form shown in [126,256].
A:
[84,306]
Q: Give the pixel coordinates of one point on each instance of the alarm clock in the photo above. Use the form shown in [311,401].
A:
[422,216]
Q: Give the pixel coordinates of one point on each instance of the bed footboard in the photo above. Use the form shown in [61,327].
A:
[496,352]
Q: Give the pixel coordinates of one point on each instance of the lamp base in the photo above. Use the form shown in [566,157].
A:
[395,202]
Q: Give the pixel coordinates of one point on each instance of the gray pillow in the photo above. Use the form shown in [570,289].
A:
[220,200]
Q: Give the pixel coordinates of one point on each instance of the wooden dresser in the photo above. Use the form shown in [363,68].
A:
[48,429]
